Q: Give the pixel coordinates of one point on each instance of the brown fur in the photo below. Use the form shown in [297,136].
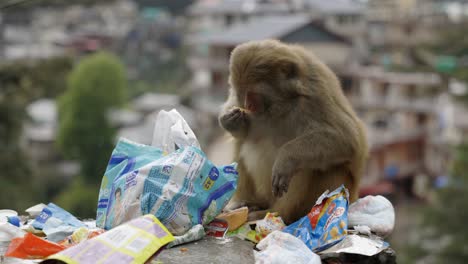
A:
[305,138]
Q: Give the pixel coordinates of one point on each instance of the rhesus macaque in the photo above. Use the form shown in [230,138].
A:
[295,133]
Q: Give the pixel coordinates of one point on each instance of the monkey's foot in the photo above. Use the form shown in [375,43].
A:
[257,215]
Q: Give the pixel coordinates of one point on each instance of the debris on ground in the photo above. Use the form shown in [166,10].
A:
[153,199]
[235,218]
[281,248]
[327,222]
[376,212]
[181,188]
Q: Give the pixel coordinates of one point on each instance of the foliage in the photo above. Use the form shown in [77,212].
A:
[79,198]
[95,86]
[22,82]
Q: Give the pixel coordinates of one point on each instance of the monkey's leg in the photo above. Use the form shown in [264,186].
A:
[245,192]
[318,150]
[304,190]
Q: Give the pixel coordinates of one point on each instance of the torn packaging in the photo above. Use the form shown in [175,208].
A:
[182,188]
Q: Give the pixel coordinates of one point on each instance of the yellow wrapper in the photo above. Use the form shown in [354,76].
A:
[133,242]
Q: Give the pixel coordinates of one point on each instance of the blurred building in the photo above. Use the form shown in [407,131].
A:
[412,124]
[210,71]
[43,32]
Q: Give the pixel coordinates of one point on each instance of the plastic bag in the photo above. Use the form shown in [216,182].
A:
[172,132]
[282,248]
[376,212]
[182,188]
[327,222]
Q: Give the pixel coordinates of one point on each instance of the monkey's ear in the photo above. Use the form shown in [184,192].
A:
[289,69]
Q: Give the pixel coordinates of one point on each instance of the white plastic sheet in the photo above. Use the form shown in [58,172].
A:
[283,248]
[376,212]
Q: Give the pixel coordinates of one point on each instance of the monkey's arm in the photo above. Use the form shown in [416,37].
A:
[316,150]
[233,118]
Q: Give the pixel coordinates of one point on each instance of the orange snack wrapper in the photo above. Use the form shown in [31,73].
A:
[235,218]
[32,247]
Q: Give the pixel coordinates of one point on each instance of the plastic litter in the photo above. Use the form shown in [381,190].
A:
[271,222]
[80,235]
[9,216]
[132,242]
[282,248]
[53,216]
[32,247]
[35,210]
[235,218]
[171,132]
[182,188]
[327,222]
[354,244]
[195,233]
[376,212]
[217,228]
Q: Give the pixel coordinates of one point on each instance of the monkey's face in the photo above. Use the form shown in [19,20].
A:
[266,92]
[265,76]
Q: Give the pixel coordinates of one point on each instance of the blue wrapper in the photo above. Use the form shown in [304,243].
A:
[182,189]
[327,222]
[54,211]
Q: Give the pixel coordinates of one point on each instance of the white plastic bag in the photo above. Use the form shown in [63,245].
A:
[282,248]
[376,212]
[172,132]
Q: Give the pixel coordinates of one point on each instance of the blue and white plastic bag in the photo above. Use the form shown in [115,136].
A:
[326,223]
[175,182]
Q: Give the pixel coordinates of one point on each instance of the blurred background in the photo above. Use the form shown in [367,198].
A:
[77,75]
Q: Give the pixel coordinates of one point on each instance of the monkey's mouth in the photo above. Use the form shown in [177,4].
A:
[253,102]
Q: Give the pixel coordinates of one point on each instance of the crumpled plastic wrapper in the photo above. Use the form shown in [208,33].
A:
[282,248]
[376,212]
[270,223]
[355,244]
[195,233]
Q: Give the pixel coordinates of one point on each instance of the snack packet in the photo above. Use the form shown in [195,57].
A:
[132,242]
[327,222]
[80,235]
[270,223]
[235,218]
[245,232]
[32,247]
[53,216]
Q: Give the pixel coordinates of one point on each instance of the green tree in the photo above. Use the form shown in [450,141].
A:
[95,86]
[22,82]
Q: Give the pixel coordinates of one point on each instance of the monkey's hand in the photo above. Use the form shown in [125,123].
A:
[283,171]
[235,120]
[317,150]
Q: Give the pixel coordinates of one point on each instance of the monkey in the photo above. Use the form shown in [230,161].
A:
[295,133]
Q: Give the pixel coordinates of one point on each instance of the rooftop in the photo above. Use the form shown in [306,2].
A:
[335,6]
[236,7]
[271,27]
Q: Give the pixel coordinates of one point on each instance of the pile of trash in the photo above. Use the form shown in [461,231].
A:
[156,197]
